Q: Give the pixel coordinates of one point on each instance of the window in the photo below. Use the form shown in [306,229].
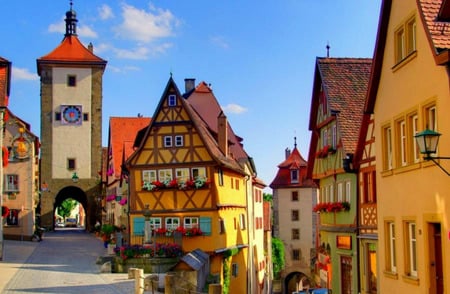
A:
[149,176]
[167,141]
[190,222]
[331,193]
[199,172]
[295,254]
[430,117]
[340,191]
[405,40]
[295,216]
[242,221]
[348,191]
[234,269]
[391,263]
[57,116]
[401,142]
[369,187]
[71,164]
[155,223]
[220,176]
[172,223]
[324,137]
[411,249]
[179,140]
[182,174]
[71,81]
[387,148]
[334,136]
[414,126]
[295,234]
[11,183]
[222,226]
[172,101]
[294,196]
[165,175]
[85,116]
[294,176]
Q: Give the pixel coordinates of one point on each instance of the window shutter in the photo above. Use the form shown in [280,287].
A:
[138,226]
[205,225]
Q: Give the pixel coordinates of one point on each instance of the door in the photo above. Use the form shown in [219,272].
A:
[436,272]
[346,275]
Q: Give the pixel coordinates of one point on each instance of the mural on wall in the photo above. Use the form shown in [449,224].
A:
[21,146]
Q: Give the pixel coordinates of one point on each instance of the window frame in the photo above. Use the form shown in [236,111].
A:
[390,244]
[387,147]
[410,238]
[71,164]
[179,141]
[149,175]
[190,222]
[182,174]
[171,226]
[11,183]
[405,39]
[165,175]
[295,234]
[295,215]
[172,100]
[168,142]
[71,80]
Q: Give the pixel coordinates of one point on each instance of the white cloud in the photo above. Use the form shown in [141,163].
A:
[144,26]
[105,12]
[234,108]
[124,69]
[137,53]
[220,42]
[23,74]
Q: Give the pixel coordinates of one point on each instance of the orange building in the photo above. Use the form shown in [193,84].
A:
[191,171]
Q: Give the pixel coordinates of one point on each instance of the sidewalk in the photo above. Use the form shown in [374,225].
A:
[19,254]
[15,254]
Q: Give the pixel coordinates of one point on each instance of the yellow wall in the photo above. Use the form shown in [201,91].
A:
[419,190]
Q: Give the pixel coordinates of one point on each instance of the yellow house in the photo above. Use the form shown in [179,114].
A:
[408,93]
[192,173]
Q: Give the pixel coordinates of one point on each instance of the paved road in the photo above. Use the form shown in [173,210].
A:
[64,262]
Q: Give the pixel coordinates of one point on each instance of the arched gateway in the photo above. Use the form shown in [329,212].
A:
[71,79]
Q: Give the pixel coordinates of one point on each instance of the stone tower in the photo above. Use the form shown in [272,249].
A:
[71,125]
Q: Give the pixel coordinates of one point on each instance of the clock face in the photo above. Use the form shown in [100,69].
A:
[72,114]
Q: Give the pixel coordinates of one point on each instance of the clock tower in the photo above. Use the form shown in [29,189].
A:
[71,126]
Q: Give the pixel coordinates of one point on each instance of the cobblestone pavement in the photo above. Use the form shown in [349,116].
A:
[64,262]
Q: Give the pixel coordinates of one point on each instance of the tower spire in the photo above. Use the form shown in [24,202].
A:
[71,21]
[295,142]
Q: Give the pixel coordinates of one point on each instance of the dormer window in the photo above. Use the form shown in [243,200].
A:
[294,176]
[172,101]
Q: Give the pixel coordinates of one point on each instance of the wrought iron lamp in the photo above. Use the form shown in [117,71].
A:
[427,141]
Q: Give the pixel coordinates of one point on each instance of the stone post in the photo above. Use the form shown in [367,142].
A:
[139,281]
[169,284]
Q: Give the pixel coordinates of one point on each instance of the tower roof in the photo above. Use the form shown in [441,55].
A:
[71,52]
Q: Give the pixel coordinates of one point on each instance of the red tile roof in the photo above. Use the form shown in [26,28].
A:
[439,31]
[294,162]
[204,102]
[345,82]
[122,132]
[71,51]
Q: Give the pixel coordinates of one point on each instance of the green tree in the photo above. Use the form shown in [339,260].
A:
[277,257]
[267,197]
[66,207]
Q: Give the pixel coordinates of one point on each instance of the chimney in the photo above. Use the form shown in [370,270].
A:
[189,85]
[91,48]
[222,130]
[287,152]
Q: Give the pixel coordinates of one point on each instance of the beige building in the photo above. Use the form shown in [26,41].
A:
[21,178]
[408,93]
[294,196]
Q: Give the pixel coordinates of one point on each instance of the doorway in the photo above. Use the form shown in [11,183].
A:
[435,245]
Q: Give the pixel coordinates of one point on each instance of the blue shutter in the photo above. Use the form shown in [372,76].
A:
[138,226]
[205,225]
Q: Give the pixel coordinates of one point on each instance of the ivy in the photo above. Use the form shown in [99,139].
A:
[277,256]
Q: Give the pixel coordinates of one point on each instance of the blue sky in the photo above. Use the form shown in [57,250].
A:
[258,57]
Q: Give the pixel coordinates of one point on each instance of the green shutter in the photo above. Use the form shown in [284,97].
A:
[138,226]
[205,225]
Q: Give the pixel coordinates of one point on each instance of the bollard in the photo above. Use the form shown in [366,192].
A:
[169,282]
[131,272]
[215,289]
[139,281]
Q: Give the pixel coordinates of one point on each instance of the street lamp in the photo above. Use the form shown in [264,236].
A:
[427,141]
[75,177]
[147,227]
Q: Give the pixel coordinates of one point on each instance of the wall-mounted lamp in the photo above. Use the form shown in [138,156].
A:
[427,141]
[75,177]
